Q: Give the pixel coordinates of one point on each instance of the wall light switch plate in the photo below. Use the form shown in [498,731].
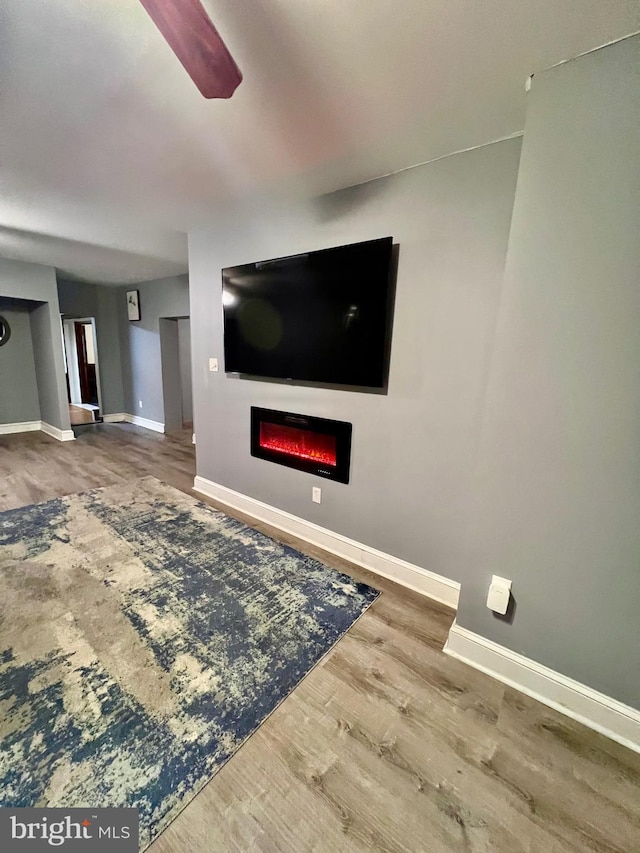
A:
[139,404]
[213,365]
[316,494]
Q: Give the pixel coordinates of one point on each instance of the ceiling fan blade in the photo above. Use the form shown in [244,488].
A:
[195,41]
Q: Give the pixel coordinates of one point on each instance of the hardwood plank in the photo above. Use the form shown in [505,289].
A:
[78,415]
[388,744]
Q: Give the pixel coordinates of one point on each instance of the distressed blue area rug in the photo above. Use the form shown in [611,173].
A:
[143,638]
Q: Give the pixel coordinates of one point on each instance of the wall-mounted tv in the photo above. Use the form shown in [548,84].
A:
[321,317]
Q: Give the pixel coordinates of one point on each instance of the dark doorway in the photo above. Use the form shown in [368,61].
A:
[82,370]
[86,363]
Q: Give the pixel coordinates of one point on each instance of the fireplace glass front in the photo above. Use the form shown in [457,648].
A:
[316,445]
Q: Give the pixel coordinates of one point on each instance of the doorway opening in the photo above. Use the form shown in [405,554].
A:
[82,370]
[175,351]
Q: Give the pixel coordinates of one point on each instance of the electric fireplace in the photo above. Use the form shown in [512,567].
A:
[317,445]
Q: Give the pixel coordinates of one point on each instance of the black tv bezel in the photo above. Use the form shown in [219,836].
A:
[323,383]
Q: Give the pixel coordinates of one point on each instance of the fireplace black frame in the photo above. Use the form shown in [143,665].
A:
[340,429]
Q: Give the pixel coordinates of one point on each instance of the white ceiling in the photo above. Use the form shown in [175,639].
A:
[108,153]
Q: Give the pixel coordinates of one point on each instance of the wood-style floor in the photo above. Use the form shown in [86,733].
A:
[388,744]
[78,415]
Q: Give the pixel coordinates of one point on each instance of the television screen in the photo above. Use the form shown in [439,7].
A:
[318,317]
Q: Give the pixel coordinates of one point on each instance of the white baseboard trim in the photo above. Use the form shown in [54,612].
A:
[55,432]
[125,417]
[156,426]
[33,426]
[596,710]
[420,580]
[24,426]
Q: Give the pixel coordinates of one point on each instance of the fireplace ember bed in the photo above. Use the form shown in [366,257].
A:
[316,445]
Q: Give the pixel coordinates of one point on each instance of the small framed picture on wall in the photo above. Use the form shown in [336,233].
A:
[133,304]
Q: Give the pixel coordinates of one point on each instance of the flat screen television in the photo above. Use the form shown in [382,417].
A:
[321,317]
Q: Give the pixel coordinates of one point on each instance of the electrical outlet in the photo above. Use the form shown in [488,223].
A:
[139,404]
[499,595]
[213,365]
[316,494]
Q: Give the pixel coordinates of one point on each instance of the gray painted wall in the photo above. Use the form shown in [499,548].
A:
[558,493]
[414,448]
[20,280]
[43,328]
[184,344]
[80,299]
[140,342]
[18,387]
